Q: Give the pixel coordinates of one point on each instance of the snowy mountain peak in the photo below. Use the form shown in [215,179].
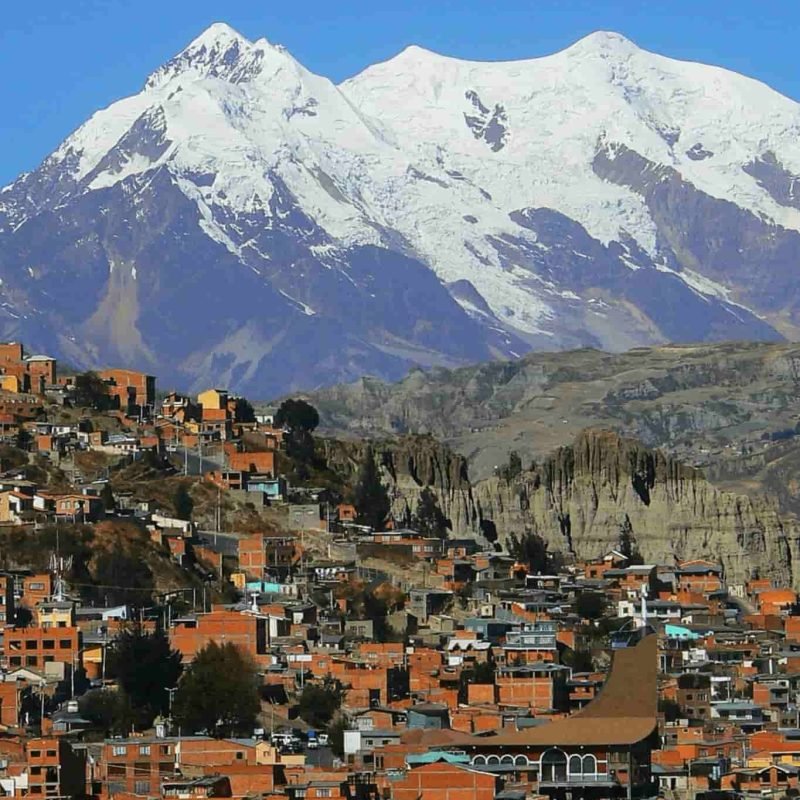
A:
[429,210]
[219,52]
[215,34]
[602,42]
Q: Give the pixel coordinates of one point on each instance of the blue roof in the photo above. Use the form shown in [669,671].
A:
[432,756]
[679,632]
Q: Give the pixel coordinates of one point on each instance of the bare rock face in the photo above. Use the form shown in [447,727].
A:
[579,498]
[409,465]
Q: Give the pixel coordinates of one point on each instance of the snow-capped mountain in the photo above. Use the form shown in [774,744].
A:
[243,220]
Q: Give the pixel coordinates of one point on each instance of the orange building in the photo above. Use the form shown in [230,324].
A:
[250,632]
[7,610]
[698,576]
[11,694]
[129,389]
[443,781]
[262,462]
[35,646]
[36,588]
[539,686]
[264,551]
[26,373]
[55,769]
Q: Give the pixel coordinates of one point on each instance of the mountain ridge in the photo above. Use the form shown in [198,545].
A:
[242,219]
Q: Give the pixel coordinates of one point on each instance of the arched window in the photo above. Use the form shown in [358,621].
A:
[521,761]
[582,766]
[553,766]
[507,759]
[575,766]
[479,760]
[493,759]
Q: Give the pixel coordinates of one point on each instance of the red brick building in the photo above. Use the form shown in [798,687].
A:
[129,389]
[35,646]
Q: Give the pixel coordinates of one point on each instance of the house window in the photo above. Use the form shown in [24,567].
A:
[65,644]
[165,749]
[144,750]
[51,754]
[119,750]
[323,792]
[30,661]
[48,644]
[30,644]
[239,755]
[141,787]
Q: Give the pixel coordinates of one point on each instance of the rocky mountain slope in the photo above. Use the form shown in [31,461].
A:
[579,497]
[242,220]
[730,408]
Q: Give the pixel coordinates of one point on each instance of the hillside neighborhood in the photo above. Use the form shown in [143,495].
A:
[196,604]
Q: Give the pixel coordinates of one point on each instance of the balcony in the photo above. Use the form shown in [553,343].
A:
[598,779]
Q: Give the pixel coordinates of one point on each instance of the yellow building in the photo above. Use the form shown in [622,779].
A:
[213,398]
[10,383]
[55,614]
[15,507]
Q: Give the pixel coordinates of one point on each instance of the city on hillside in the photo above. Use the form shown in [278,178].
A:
[199,600]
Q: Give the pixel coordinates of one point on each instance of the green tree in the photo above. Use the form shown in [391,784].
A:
[483,672]
[23,440]
[336,734]
[591,605]
[627,542]
[319,702]
[109,710]
[578,660]
[300,446]
[218,692]
[531,549]
[511,470]
[244,410]
[107,496]
[91,390]
[297,415]
[669,708]
[183,503]
[429,519]
[370,497]
[145,667]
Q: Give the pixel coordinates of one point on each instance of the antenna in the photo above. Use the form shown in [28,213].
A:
[59,566]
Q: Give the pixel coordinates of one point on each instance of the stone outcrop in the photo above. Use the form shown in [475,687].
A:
[582,495]
[409,464]
[579,498]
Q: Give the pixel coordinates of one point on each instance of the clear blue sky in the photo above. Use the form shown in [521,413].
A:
[60,60]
